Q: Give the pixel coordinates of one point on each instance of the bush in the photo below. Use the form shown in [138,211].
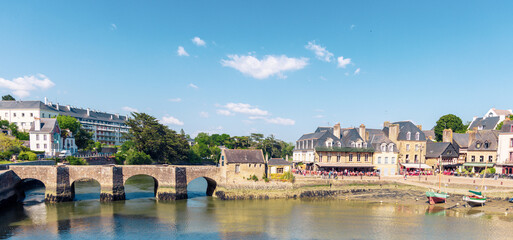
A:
[27,156]
[288,176]
[137,158]
[488,171]
[254,178]
[75,161]
[6,155]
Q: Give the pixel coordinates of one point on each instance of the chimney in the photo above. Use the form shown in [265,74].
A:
[386,124]
[447,135]
[88,112]
[37,124]
[46,101]
[57,107]
[117,115]
[474,118]
[287,157]
[336,130]
[361,131]
[393,132]
[419,127]
[111,117]
[69,107]
[471,136]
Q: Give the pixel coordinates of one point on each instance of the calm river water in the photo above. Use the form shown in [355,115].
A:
[141,217]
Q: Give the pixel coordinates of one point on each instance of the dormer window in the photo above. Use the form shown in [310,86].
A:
[408,136]
[391,147]
[339,144]
[478,145]
[383,147]
[353,144]
[364,145]
[417,136]
[486,145]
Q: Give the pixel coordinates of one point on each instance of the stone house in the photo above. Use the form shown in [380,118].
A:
[278,166]
[411,142]
[45,135]
[505,149]
[482,149]
[444,153]
[385,152]
[238,164]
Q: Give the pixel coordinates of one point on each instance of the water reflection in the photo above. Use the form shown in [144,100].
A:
[204,217]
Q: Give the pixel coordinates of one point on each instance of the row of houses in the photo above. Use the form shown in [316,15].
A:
[403,146]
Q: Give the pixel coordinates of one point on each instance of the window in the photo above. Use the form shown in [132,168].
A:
[43,115]
[379,160]
[358,157]
[391,147]
[408,136]
[407,158]
[44,137]
[490,158]
[383,147]
[481,158]
[366,157]
[45,146]
[416,158]
[416,147]
[473,158]
[37,136]
[237,168]
[6,115]
[486,145]
[353,144]
[320,157]
[478,144]
[511,142]
[392,161]
[23,114]
[350,157]
[329,157]
[14,114]
[31,114]
[37,146]
[338,157]
[417,136]
[386,160]
[279,170]
[407,147]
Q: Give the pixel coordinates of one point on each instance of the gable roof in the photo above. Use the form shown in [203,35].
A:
[461,139]
[488,123]
[404,128]
[502,112]
[435,149]
[324,129]
[25,105]
[278,162]
[377,137]
[244,156]
[430,134]
[490,136]
[507,126]
[47,125]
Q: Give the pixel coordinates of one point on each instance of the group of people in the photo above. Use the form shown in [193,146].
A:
[416,172]
[334,174]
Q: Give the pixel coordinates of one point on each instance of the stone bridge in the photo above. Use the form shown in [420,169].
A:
[170,181]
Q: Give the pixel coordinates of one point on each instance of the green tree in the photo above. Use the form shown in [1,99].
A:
[8,98]
[449,121]
[83,138]
[499,126]
[134,157]
[158,141]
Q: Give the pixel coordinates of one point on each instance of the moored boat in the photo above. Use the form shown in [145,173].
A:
[477,199]
[436,197]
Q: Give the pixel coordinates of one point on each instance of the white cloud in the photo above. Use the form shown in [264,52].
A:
[193,86]
[175,100]
[281,121]
[22,86]
[171,120]
[130,109]
[204,114]
[357,71]
[268,66]
[181,51]
[198,41]
[245,109]
[352,26]
[113,26]
[343,62]
[320,52]
[224,112]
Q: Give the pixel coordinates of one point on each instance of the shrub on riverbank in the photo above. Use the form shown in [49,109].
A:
[75,161]
[27,155]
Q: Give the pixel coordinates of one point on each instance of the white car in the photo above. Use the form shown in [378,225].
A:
[65,153]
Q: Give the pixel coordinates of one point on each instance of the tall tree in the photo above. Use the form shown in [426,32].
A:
[8,98]
[449,121]
[161,143]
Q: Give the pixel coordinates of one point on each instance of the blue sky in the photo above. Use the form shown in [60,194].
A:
[274,67]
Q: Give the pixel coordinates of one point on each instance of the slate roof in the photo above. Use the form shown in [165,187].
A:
[244,156]
[488,123]
[461,139]
[404,128]
[507,126]
[502,112]
[47,125]
[93,115]
[324,129]
[435,149]
[278,162]
[348,136]
[490,136]
[377,137]
[25,105]
[430,134]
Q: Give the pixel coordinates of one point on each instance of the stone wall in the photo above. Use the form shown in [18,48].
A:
[33,163]
[8,193]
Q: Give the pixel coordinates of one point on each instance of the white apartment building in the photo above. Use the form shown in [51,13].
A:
[107,128]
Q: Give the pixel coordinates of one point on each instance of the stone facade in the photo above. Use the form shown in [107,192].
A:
[239,164]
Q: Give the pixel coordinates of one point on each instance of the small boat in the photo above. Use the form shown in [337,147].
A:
[436,197]
[477,199]
[510,200]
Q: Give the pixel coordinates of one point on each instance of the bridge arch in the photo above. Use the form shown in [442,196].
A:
[211,184]
[88,195]
[27,184]
[155,182]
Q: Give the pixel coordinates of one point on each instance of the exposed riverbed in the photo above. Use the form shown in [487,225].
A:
[201,217]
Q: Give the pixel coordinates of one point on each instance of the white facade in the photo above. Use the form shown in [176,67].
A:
[504,150]
[45,135]
[24,117]
[385,159]
[304,156]
[279,169]
[502,114]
